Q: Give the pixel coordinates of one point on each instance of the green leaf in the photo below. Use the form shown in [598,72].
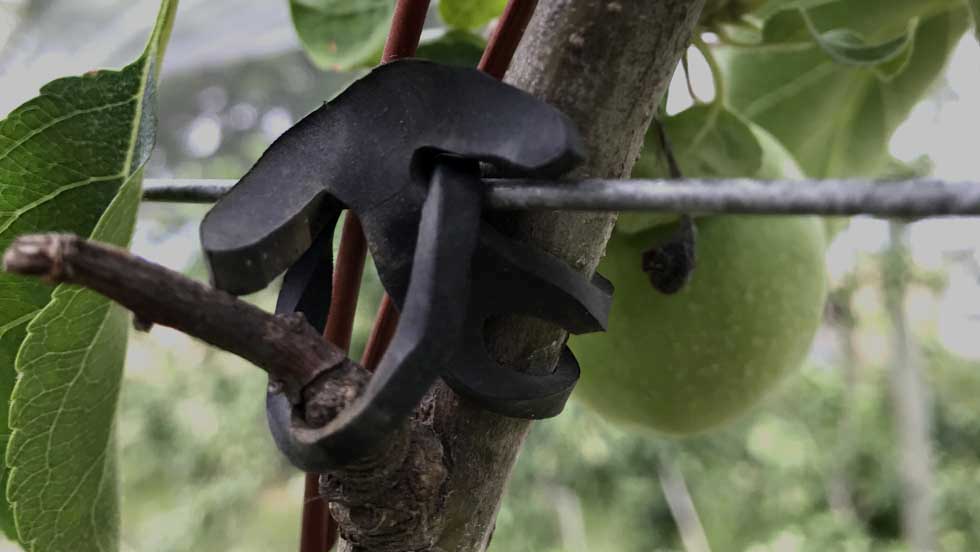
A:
[727,12]
[892,68]
[850,48]
[785,27]
[870,20]
[63,483]
[470,14]
[454,47]
[975,10]
[771,7]
[342,34]
[837,119]
[707,142]
[70,161]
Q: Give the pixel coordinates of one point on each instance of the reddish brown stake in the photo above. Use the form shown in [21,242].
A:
[346,283]
[383,330]
[406,28]
[495,61]
[506,36]
[318,531]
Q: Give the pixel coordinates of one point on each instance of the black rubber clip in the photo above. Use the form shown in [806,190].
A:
[400,148]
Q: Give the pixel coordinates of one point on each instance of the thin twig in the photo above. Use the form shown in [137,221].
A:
[285,346]
[907,198]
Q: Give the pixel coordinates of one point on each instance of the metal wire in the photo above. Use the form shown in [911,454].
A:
[908,198]
[185,190]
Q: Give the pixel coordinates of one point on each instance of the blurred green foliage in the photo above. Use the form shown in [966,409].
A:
[763,481]
[200,471]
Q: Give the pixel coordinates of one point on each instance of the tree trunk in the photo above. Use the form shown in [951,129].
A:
[606,64]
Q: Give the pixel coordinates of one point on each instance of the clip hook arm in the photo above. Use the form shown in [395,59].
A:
[433,315]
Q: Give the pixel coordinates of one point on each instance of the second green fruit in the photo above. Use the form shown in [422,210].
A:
[687,362]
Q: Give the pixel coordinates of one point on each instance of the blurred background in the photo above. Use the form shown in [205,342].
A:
[827,463]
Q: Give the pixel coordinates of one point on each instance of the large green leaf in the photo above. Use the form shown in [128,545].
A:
[844,45]
[837,119]
[850,48]
[742,15]
[341,34]
[708,142]
[767,8]
[63,483]
[70,161]
[469,14]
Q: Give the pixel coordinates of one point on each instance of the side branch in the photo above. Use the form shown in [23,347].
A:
[410,462]
[285,346]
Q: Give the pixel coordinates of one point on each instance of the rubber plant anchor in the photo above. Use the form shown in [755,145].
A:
[402,149]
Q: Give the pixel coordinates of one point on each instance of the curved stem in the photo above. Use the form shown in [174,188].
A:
[718,103]
[713,66]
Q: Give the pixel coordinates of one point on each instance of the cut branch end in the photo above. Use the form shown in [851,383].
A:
[40,255]
[286,347]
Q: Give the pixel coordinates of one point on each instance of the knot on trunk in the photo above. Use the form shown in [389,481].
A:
[390,506]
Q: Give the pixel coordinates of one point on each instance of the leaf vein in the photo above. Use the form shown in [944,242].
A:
[15,215]
[58,120]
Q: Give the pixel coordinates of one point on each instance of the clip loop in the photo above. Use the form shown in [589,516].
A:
[405,161]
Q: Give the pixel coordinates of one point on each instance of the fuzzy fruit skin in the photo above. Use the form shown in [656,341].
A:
[688,362]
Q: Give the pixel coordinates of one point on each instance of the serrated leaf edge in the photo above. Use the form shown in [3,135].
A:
[151,59]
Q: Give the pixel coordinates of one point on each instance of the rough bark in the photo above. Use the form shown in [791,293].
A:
[606,64]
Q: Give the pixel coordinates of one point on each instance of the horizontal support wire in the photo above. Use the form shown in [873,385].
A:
[906,198]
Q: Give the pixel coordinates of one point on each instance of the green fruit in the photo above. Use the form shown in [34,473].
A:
[687,362]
